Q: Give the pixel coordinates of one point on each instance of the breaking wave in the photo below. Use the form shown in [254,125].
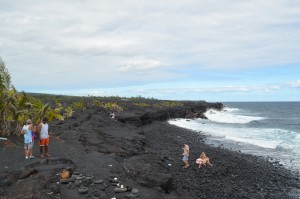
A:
[230,117]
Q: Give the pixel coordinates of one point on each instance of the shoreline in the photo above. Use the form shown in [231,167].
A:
[271,154]
[239,168]
[144,152]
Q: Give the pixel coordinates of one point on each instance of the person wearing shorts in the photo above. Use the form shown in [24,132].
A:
[28,142]
[44,139]
[185,159]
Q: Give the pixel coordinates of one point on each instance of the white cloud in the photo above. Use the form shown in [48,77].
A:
[183,90]
[295,84]
[141,65]
[102,43]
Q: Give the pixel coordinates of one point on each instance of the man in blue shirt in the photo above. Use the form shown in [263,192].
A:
[28,142]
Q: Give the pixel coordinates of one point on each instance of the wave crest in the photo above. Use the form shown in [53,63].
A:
[229,117]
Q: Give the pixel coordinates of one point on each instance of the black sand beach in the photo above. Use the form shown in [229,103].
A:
[144,153]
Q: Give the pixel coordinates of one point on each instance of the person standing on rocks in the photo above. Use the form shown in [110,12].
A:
[186,153]
[44,138]
[28,142]
[112,115]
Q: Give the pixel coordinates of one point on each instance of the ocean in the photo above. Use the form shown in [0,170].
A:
[269,129]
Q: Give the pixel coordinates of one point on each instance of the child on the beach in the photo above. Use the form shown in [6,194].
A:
[186,152]
[203,160]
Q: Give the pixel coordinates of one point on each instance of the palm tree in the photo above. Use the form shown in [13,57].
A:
[16,107]
[68,112]
[37,109]
[52,114]
[7,98]
[5,78]
[20,111]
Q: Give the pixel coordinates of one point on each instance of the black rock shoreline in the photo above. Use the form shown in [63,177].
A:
[233,174]
[144,153]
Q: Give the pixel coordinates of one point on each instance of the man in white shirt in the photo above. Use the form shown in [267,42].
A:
[44,138]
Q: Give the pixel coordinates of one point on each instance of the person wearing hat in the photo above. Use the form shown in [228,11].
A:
[44,138]
[28,142]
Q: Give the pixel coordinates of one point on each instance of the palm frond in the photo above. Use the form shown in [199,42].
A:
[5,76]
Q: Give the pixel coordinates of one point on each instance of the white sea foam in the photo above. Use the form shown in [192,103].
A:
[230,109]
[268,144]
[230,117]
[263,137]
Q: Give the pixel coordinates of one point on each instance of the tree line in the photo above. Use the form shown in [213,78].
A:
[16,107]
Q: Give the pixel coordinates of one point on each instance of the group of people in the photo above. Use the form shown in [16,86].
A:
[202,160]
[29,131]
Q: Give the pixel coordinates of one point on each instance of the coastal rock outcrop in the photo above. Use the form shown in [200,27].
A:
[188,110]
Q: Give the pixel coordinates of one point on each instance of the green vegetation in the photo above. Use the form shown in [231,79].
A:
[140,98]
[78,105]
[68,112]
[141,104]
[111,106]
[160,104]
[170,104]
[16,107]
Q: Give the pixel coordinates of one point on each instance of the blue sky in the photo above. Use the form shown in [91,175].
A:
[217,50]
